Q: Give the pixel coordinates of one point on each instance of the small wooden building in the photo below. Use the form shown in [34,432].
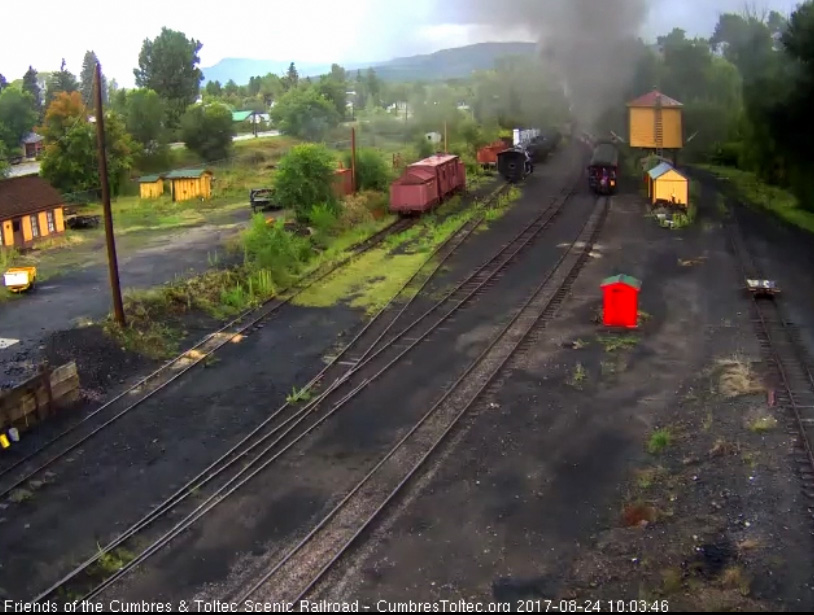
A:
[667,185]
[30,209]
[190,184]
[151,186]
[620,301]
[655,122]
[33,144]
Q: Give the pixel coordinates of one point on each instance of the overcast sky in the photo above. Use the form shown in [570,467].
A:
[43,32]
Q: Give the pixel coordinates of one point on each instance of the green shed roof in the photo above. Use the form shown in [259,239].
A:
[186,174]
[622,279]
[241,116]
[149,179]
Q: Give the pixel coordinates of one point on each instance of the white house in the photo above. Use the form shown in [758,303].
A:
[434,137]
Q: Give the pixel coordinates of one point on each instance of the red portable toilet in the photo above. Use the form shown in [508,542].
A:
[620,301]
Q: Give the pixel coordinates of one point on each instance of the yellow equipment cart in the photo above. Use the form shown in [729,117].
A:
[20,279]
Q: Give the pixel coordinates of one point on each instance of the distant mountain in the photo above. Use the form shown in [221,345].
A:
[445,64]
[451,63]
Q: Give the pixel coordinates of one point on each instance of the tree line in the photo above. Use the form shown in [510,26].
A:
[746,91]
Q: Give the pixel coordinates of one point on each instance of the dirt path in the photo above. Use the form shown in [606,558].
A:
[82,293]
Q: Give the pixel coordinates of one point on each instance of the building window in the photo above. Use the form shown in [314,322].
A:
[35,227]
[52,227]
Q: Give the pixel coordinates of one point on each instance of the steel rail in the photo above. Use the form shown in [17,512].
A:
[457,237]
[592,227]
[192,356]
[239,480]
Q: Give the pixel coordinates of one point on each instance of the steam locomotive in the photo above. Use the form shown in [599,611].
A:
[603,171]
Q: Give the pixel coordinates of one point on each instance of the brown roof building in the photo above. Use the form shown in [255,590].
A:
[30,209]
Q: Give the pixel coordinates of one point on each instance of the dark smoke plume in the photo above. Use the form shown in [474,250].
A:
[585,42]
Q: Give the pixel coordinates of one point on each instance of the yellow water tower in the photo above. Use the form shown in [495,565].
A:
[656,123]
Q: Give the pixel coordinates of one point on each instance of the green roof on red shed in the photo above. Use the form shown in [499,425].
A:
[622,279]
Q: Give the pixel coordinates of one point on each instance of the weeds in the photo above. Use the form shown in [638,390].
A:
[298,395]
[18,496]
[612,343]
[737,378]
[645,479]
[112,562]
[578,377]
[763,424]
[659,441]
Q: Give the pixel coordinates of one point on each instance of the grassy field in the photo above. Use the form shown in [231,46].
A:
[754,192]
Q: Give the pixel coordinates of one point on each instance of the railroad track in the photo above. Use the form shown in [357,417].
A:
[375,350]
[781,343]
[17,474]
[301,568]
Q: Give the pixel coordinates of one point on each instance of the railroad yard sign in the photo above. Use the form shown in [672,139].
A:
[620,301]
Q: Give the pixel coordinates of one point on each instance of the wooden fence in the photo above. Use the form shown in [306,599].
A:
[38,397]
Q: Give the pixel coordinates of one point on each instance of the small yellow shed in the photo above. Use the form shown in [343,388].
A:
[668,185]
[190,184]
[151,186]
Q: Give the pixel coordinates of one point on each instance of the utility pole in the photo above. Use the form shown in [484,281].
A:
[112,261]
[446,150]
[353,156]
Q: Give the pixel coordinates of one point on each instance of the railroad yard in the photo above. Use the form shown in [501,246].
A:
[481,438]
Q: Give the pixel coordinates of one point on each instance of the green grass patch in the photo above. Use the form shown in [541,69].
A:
[368,282]
[612,343]
[659,441]
[752,191]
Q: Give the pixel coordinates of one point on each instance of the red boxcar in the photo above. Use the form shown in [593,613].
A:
[487,155]
[426,183]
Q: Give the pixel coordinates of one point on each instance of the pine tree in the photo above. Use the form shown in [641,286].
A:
[87,78]
[293,75]
[62,81]
[32,86]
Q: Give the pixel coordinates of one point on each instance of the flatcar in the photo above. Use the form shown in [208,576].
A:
[603,171]
[427,183]
[514,164]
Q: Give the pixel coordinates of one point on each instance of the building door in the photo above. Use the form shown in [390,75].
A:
[17,232]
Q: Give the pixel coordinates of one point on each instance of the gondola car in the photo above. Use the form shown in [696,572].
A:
[603,172]
[514,164]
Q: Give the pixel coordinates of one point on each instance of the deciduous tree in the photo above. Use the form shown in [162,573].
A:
[17,116]
[305,113]
[168,65]
[208,131]
[145,115]
[70,162]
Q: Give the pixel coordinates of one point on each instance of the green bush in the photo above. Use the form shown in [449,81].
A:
[305,177]
[271,248]
[372,170]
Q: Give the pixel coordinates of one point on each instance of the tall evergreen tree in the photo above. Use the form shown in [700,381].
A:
[86,80]
[292,77]
[3,82]
[32,86]
[62,81]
